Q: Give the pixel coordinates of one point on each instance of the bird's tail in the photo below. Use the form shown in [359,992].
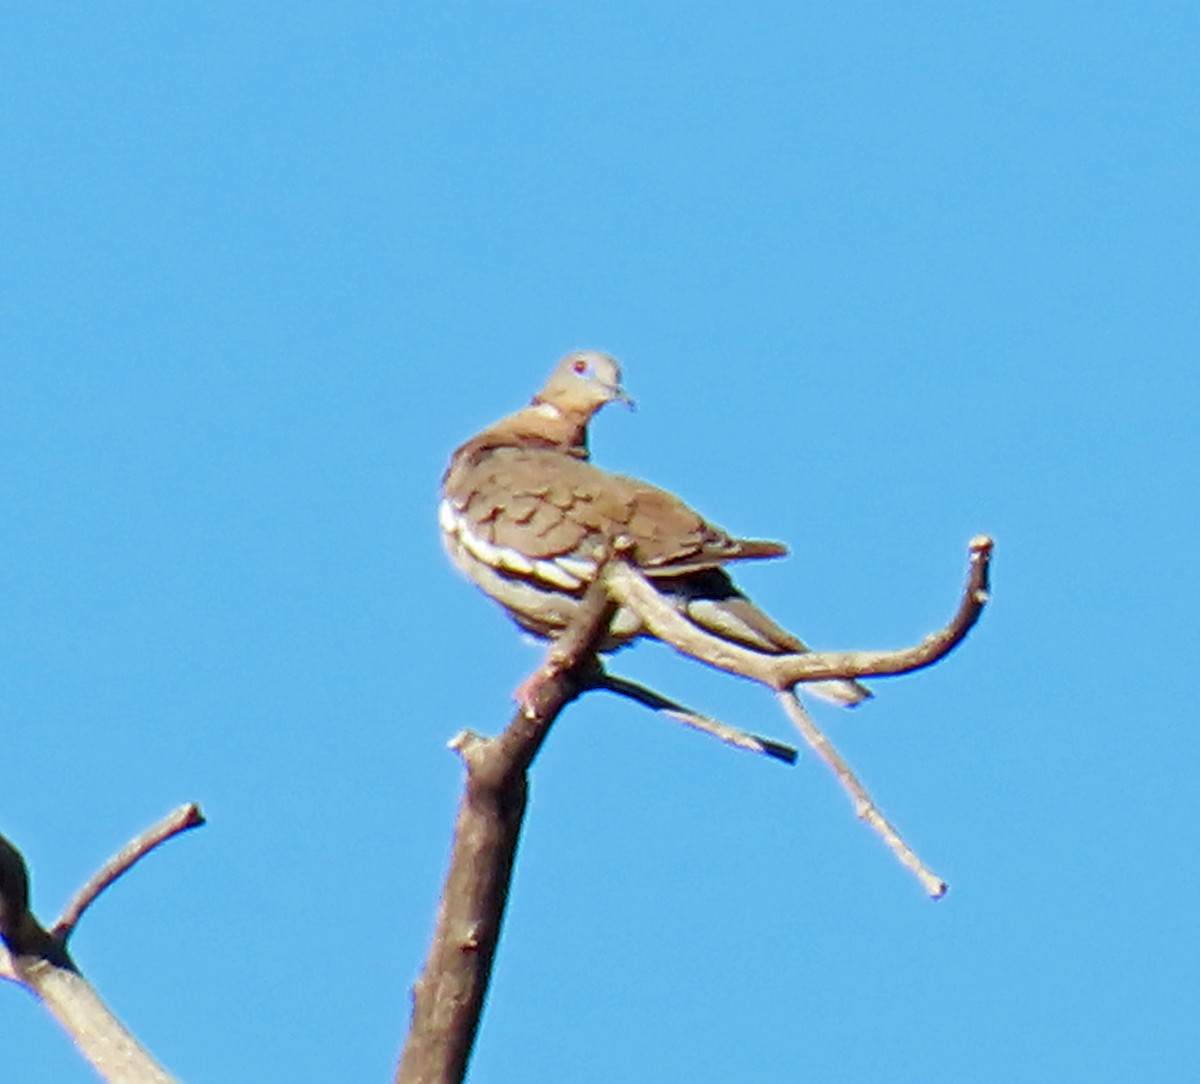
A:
[711,601]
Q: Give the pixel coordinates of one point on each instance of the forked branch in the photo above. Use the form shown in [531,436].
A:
[37,958]
[781,672]
[448,997]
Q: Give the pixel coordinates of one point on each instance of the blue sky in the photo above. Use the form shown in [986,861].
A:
[882,277]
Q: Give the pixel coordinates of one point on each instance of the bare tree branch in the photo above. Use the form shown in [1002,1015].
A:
[632,589]
[448,997]
[175,822]
[23,940]
[38,959]
[731,735]
[113,1051]
[864,806]
[782,672]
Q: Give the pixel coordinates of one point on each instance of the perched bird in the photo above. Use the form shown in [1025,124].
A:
[527,517]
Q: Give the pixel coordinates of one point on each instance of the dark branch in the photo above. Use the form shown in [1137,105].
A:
[20,932]
[731,735]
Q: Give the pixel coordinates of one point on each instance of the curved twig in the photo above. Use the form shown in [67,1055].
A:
[629,587]
[178,820]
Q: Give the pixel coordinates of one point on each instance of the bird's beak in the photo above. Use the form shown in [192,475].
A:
[620,395]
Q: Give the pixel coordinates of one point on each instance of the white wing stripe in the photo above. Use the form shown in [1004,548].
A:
[553,572]
[566,573]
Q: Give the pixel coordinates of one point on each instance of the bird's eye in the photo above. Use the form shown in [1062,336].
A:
[580,366]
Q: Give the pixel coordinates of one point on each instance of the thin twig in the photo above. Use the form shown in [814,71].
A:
[632,589]
[731,735]
[864,806]
[180,820]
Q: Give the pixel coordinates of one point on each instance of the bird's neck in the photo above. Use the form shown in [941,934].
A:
[546,425]
[540,425]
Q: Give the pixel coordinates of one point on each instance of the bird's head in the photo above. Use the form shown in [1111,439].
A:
[583,382]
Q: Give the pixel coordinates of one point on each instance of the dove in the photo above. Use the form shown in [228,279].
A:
[528,517]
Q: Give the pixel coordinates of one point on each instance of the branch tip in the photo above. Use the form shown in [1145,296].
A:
[465,742]
[178,820]
[864,805]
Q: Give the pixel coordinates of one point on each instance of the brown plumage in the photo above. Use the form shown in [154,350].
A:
[528,518]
